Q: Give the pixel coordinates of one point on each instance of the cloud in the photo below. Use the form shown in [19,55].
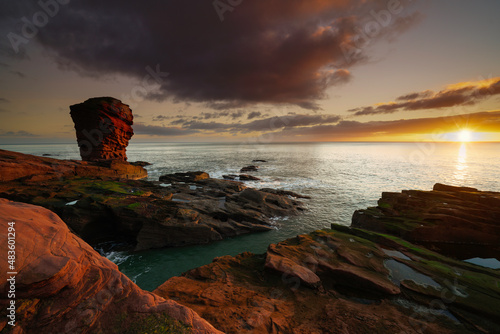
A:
[141,129]
[162,118]
[464,93]
[254,114]
[263,125]
[353,130]
[212,115]
[17,134]
[237,114]
[4,100]
[279,52]
[18,73]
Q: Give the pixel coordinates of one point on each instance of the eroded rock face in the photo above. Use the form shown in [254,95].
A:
[64,286]
[103,128]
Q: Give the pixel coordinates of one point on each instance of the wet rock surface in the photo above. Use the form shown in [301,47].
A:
[241,177]
[64,286]
[249,169]
[103,128]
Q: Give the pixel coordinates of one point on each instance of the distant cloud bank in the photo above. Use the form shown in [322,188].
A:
[460,94]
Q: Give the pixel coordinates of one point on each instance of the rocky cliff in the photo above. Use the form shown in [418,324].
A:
[64,286]
[103,128]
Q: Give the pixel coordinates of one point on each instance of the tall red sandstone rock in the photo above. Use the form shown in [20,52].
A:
[103,128]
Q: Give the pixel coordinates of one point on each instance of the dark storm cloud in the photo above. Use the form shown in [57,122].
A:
[465,93]
[154,130]
[278,51]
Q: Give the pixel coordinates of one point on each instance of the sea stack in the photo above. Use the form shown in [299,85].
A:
[103,128]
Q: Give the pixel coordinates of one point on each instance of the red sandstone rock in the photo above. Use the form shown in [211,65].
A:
[15,166]
[287,266]
[64,286]
[103,128]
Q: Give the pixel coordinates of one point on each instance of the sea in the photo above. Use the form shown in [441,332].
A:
[339,177]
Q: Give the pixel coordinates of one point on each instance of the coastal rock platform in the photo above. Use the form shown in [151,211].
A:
[16,166]
[191,208]
[341,280]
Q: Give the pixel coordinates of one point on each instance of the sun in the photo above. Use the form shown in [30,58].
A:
[465,136]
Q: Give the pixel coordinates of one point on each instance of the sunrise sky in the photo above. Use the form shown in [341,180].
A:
[290,70]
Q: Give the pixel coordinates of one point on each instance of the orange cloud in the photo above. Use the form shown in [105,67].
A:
[463,93]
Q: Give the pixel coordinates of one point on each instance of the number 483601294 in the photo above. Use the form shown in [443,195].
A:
[11,240]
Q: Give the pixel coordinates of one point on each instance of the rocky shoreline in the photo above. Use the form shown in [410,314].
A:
[358,280]
[180,209]
[376,276]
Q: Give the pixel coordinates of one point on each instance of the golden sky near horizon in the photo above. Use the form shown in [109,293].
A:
[324,70]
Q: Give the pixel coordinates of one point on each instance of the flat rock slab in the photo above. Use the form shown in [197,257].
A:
[15,166]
